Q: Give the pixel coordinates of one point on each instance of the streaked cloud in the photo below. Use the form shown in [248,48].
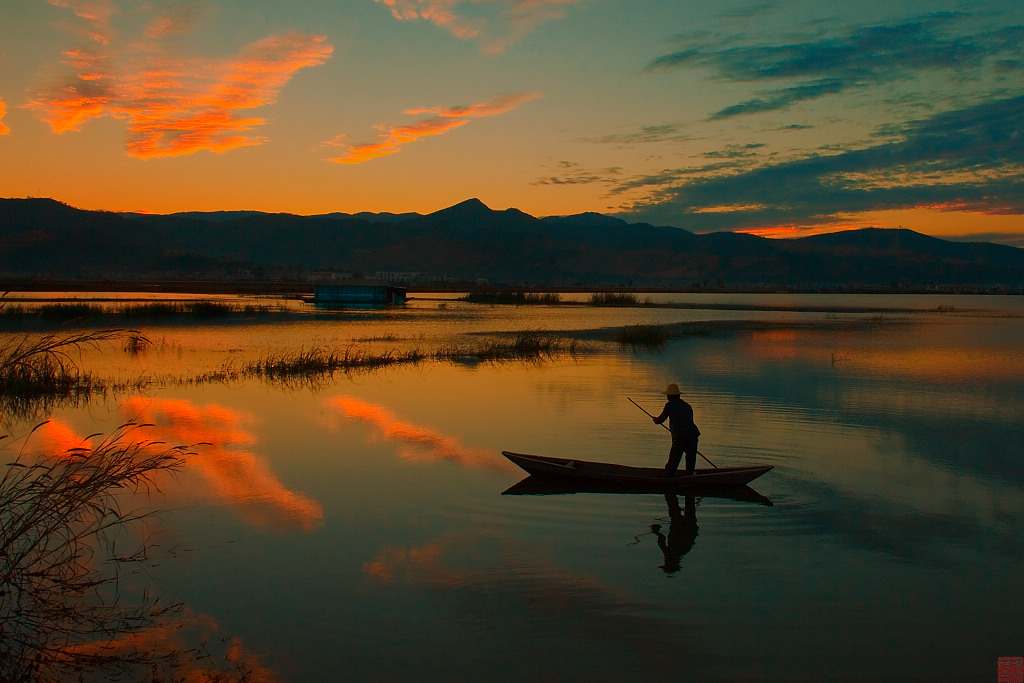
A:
[572,173]
[415,442]
[1013,239]
[236,476]
[4,130]
[969,159]
[495,24]
[441,121]
[173,104]
[665,132]
[849,59]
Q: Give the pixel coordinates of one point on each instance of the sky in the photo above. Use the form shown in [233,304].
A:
[777,118]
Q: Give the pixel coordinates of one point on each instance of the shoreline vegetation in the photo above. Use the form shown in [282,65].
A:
[39,373]
[17,316]
[67,542]
[294,288]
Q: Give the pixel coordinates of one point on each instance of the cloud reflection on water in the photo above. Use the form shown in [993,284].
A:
[415,443]
[178,647]
[503,589]
[237,476]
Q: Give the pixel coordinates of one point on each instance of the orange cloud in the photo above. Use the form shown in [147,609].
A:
[508,22]
[237,476]
[173,105]
[96,13]
[416,443]
[4,130]
[444,120]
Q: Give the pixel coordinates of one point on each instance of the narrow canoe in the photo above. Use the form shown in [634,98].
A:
[540,485]
[567,468]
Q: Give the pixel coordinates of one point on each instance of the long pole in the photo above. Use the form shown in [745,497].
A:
[666,427]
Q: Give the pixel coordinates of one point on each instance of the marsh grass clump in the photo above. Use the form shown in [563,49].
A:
[516,297]
[194,309]
[67,313]
[44,365]
[66,540]
[136,344]
[614,299]
[525,345]
[317,362]
[38,373]
[643,335]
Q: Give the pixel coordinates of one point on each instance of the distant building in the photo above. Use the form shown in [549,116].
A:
[393,276]
[358,293]
[317,275]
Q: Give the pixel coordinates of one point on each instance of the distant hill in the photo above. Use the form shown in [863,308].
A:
[47,239]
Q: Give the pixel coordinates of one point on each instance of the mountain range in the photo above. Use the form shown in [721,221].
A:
[46,239]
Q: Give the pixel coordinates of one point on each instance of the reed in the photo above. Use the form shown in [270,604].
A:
[614,299]
[524,345]
[324,361]
[38,373]
[156,310]
[516,297]
[40,365]
[65,535]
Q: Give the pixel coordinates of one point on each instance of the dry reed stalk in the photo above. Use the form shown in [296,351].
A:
[62,528]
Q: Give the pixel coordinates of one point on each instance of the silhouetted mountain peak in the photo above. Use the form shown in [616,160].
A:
[877,238]
[45,238]
[587,218]
[470,208]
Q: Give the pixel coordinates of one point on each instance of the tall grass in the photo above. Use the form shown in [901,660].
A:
[323,361]
[43,365]
[515,297]
[314,366]
[40,371]
[526,345]
[155,310]
[614,299]
[63,536]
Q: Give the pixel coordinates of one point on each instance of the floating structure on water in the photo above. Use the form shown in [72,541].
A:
[368,293]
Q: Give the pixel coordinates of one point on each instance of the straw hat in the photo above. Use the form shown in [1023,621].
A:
[672,390]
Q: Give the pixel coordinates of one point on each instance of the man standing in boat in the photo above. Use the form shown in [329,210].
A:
[679,414]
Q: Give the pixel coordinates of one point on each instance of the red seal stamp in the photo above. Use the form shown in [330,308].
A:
[1010,670]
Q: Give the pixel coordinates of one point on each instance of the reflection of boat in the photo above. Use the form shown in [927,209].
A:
[539,485]
[654,477]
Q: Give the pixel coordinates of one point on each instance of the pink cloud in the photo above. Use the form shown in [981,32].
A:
[507,23]
[172,105]
[442,121]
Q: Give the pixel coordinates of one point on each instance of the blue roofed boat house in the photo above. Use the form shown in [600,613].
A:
[359,293]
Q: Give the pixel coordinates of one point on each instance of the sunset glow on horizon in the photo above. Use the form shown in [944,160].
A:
[775,119]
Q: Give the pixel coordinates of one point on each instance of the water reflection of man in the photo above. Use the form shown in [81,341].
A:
[684,431]
[682,532]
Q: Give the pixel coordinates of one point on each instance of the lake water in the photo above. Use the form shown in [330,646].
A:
[355,528]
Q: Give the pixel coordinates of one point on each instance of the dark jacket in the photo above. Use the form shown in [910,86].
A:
[680,420]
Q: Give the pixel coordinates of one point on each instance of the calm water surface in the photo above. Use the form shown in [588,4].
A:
[356,529]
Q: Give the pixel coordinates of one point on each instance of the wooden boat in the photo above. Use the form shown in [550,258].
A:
[584,470]
[540,485]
